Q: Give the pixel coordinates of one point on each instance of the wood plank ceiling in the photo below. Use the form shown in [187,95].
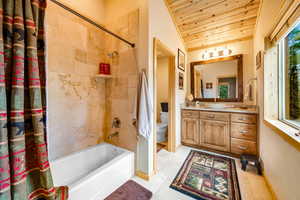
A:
[207,23]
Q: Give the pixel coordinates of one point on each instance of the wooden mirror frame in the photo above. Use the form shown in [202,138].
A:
[240,77]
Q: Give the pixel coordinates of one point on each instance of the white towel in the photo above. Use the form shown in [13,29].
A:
[143,120]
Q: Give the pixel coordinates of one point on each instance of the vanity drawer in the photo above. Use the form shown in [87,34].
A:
[243,118]
[190,114]
[243,131]
[215,116]
[239,146]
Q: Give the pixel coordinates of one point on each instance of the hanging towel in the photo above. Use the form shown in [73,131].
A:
[143,119]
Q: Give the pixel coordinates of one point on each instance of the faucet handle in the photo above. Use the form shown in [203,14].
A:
[116,123]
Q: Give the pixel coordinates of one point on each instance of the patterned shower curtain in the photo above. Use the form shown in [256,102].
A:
[24,166]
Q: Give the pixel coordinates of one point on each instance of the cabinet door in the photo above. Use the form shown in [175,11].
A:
[215,135]
[190,131]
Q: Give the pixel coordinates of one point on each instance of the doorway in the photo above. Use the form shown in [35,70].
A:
[164,99]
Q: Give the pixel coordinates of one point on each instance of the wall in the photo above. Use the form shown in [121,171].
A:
[243,47]
[212,71]
[163,82]
[93,9]
[281,160]
[76,101]
[163,28]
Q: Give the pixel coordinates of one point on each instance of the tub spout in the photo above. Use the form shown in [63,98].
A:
[115,134]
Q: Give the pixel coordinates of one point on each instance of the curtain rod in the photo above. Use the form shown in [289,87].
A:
[92,22]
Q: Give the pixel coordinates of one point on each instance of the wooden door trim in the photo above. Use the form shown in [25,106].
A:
[172,98]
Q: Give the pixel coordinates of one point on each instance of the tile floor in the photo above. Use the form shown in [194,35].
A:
[253,187]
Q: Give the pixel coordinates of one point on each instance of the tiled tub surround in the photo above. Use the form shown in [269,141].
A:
[76,101]
[95,172]
[81,107]
[121,90]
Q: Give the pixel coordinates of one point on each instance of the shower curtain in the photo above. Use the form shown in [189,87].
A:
[24,166]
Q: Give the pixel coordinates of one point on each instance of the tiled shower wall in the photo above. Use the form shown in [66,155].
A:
[80,107]
[122,89]
[76,101]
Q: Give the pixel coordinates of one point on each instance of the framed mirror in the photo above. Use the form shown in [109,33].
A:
[218,80]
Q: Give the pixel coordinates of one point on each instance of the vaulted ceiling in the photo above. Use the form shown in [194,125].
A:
[207,23]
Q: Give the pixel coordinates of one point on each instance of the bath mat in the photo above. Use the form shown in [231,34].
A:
[130,191]
[208,177]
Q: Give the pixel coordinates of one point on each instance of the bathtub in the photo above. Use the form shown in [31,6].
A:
[94,173]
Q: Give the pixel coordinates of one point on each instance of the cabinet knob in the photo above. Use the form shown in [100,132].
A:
[211,116]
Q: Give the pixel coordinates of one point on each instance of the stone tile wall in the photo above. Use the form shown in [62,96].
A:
[80,107]
[122,89]
[76,100]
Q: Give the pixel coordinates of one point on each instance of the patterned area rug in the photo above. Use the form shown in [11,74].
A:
[208,177]
[130,191]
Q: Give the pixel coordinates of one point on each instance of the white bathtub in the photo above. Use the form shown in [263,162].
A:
[94,173]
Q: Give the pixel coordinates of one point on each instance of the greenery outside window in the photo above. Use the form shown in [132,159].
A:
[224,90]
[289,78]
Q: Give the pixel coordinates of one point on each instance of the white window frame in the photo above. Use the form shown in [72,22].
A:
[283,64]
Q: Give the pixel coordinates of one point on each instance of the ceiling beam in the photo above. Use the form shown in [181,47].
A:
[219,44]
[225,36]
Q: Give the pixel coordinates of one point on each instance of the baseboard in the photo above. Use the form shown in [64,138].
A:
[143,175]
[269,186]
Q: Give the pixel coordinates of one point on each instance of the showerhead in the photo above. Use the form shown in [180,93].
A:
[113,54]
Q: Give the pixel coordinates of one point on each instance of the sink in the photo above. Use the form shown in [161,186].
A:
[222,106]
[216,106]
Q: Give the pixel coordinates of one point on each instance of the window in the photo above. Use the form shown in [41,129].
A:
[227,87]
[224,90]
[289,78]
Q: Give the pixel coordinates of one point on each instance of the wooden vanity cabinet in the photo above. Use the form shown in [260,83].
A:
[215,135]
[228,132]
[190,127]
[214,130]
[243,133]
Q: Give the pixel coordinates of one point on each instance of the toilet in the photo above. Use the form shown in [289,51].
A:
[162,127]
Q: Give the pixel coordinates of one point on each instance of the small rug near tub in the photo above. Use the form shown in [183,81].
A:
[130,191]
[205,176]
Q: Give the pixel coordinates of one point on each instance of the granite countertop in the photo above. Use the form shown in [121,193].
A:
[225,108]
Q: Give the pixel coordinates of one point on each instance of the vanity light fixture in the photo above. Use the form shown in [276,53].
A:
[216,53]
[227,52]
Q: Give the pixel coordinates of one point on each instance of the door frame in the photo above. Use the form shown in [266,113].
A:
[158,45]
